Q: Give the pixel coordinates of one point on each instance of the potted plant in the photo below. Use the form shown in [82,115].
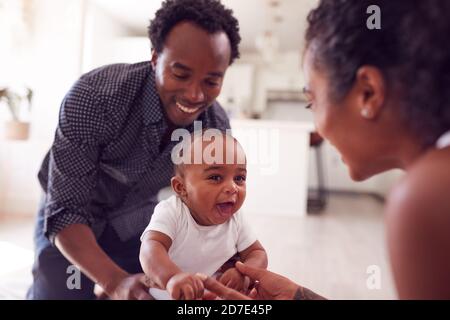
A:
[17,128]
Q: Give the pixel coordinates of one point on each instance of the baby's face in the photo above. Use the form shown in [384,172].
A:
[214,192]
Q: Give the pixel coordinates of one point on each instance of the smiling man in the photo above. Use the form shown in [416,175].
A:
[112,151]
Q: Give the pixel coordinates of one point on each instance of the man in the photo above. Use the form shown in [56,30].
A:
[111,153]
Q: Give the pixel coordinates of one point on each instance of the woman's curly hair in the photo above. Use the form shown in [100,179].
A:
[210,15]
[412,50]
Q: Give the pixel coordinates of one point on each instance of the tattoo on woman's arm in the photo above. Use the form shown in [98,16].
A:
[306,294]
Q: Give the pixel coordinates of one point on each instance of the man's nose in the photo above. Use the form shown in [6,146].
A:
[194,93]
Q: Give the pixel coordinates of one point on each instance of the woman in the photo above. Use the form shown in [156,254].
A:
[380,97]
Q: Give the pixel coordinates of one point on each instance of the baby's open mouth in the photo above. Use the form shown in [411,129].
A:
[187,109]
[225,208]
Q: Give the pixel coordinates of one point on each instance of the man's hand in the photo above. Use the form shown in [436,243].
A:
[185,286]
[129,287]
[78,244]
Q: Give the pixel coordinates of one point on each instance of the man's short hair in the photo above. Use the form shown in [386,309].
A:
[210,15]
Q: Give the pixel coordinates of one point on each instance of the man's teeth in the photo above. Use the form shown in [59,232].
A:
[187,110]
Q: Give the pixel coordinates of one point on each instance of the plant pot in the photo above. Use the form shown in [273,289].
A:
[16,130]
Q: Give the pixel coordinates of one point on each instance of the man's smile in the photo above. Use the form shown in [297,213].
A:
[187,110]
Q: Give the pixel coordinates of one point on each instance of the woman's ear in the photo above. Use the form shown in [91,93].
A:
[178,186]
[372,91]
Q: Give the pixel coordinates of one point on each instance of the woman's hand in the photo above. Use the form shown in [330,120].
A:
[270,286]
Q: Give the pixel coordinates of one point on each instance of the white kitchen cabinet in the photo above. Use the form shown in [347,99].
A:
[277,164]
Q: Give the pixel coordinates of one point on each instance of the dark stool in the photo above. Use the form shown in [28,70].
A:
[317,199]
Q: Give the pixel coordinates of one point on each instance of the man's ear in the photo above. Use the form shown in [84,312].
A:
[154,59]
[372,91]
[178,186]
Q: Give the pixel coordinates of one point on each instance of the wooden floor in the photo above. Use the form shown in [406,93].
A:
[16,252]
[328,252]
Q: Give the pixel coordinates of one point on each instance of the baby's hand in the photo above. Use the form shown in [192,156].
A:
[185,286]
[232,278]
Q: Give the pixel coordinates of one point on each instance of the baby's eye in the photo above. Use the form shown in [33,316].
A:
[240,178]
[215,177]
[212,83]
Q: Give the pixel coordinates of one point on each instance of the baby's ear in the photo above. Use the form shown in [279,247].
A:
[178,186]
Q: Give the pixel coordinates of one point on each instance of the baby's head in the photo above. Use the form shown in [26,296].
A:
[211,178]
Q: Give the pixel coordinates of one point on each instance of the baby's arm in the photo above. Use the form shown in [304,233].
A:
[254,256]
[154,258]
[163,273]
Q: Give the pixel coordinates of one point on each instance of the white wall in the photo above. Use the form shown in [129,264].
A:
[105,42]
[49,65]
[67,38]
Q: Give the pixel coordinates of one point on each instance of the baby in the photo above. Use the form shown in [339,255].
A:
[200,229]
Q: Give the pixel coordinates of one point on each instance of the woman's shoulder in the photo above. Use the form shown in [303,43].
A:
[426,184]
[429,175]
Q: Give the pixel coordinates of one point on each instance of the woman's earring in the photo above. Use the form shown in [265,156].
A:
[366,113]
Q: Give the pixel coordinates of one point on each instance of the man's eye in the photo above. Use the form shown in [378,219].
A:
[181,76]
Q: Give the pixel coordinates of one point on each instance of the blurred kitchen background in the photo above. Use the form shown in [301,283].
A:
[320,228]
